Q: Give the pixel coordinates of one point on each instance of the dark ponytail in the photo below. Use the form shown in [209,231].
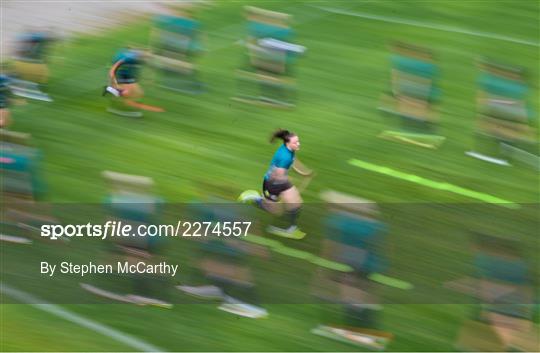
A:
[284,135]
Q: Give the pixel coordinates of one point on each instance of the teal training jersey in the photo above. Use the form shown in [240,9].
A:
[283,158]
[128,71]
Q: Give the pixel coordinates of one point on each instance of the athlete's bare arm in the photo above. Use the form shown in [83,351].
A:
[301,169]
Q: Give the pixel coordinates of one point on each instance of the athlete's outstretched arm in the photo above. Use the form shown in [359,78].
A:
[301,169]
[112,72]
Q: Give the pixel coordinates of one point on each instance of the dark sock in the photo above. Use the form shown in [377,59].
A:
[292,216]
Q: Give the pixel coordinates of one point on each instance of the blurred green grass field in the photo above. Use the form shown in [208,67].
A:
[210,138]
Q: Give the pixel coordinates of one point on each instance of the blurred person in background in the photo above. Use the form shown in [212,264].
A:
[504,116]
[413,95]
[277,186]
[223,263]
[503,288]
[22,185]
[30,69]
[175,42]
[267,77]
[132,201]
[354,237]
[124,85]
[22,182]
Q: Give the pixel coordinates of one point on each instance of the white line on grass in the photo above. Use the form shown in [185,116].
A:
[428,25]
[56,310]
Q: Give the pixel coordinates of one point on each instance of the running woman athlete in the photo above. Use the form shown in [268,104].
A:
[277,187]
[124,77]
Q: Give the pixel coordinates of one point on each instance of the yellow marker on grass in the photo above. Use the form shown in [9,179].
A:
[434,184]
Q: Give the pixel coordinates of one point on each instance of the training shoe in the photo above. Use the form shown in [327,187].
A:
[249,196]
[245,310]
[291,233]
[205,292]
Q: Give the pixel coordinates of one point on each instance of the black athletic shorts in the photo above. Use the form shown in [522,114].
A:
[272,189]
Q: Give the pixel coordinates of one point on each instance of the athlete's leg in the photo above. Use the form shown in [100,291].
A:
[131,92]
[291,198]
[272,193]
[274,207]
[268,201]
[293,201]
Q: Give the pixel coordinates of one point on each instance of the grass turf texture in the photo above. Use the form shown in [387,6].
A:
[208,137]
